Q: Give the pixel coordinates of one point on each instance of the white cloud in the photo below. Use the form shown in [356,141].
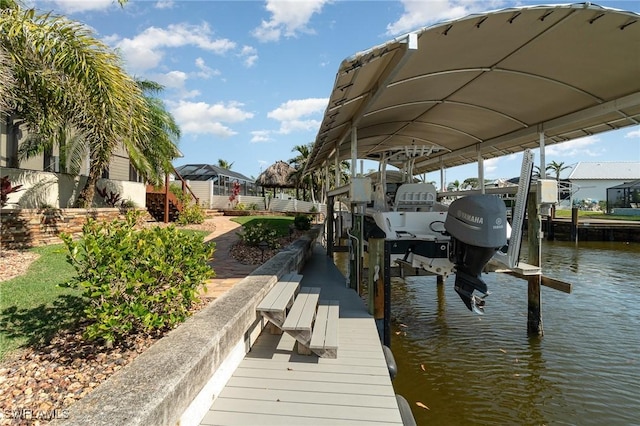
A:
[75,6]
[171,80]
[175,80]
[418,13]
[203,118]
[573,148]
[288,18]
[205,71]
[146,50]
[250,55]
[490,165]
[291,114]
[261,136]
[164,4]
[633,133]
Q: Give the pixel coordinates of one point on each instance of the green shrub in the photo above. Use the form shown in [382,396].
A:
[253,206]
[240,206]
[191,213]
[136,281]
[128,204]
[254,234]
[302,222]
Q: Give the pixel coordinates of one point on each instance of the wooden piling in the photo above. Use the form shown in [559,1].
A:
[386,332]
[376,278]
[331,226]
[356,267]
[534,282]
[574,224]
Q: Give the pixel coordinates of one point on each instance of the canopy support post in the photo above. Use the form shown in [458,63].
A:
[543,166]
[480,170]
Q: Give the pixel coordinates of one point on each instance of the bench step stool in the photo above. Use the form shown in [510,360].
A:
[324,341]
[279,300]
[299,322]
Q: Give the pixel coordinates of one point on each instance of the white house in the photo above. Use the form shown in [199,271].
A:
[590,180]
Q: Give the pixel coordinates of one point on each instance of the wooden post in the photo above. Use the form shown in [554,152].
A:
[376,278]
[574,224]
[331,224]
[534,282]
[386,330]
[355,269]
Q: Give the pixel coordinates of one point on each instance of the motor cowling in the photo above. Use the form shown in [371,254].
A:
[478,227]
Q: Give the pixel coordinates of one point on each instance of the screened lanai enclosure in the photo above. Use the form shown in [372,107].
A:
[624,196]
[222,179]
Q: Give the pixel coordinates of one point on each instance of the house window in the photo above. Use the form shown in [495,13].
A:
[133,174]
[51,162]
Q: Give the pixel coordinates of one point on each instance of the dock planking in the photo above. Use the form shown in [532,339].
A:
[274,385]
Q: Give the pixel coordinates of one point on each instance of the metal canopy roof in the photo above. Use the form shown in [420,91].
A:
[487,83]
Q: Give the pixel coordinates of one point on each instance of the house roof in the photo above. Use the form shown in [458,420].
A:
[486,84]
[208,172]
[604,170]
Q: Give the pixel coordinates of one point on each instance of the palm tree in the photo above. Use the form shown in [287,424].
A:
[299,162]
[151,160]
[7,82]
[454,186]
[65,77]
[224,164]
[557,168]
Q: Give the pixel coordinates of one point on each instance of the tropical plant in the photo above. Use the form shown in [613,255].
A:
[69,81]
[6,188]
[316,179]
[224,164]
[557,168]
[302,222]
[136,281]
[254,234]
[455,186]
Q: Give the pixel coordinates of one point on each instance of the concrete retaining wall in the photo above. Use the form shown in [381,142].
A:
[160,386]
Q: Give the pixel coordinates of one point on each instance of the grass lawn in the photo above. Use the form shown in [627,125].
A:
[33,307]
[595,215]
[279,223]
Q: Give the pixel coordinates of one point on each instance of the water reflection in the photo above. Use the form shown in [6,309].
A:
[472,370]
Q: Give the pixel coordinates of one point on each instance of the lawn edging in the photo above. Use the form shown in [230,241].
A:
[176,380]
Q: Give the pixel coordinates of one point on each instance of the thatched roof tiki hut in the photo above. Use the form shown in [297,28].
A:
[278,175]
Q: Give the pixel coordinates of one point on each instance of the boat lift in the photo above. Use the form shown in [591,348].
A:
[476,88]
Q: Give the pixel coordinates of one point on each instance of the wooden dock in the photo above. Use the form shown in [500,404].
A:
[587,229]
[274,385]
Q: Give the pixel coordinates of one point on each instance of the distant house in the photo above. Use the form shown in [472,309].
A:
[590,180]
[221,179]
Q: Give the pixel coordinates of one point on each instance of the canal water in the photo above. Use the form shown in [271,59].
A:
[458,368]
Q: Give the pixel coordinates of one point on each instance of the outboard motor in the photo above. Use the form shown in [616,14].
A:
[477,225]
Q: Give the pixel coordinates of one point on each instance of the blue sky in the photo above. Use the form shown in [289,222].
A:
[249,80]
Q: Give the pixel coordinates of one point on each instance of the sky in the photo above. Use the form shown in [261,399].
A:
[247,81]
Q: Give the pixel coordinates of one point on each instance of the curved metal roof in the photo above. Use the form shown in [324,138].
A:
[487,83]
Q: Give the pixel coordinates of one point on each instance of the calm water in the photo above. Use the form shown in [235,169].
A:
[485,370]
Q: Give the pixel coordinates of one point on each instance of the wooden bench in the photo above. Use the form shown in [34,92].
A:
[296,311]
[324,340]
[277,302]
[299,322]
